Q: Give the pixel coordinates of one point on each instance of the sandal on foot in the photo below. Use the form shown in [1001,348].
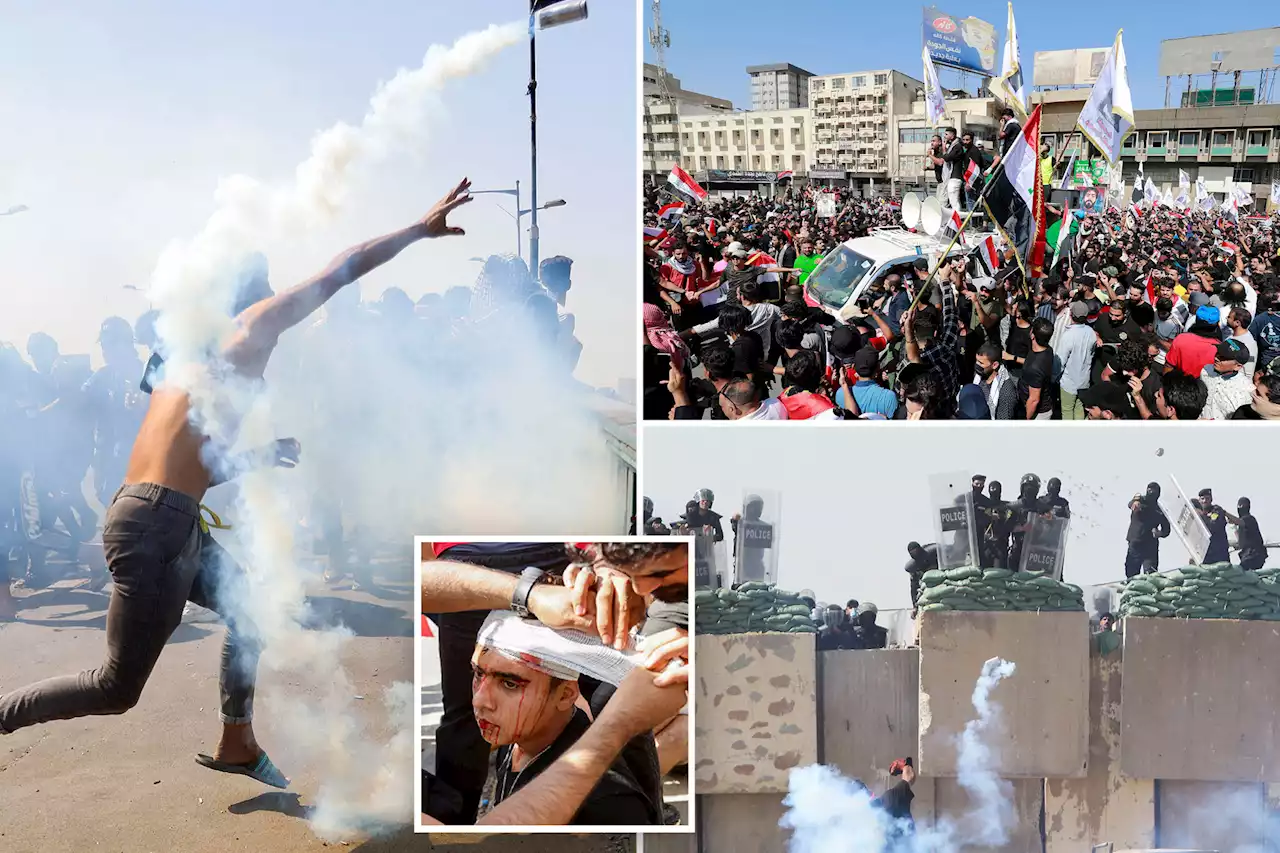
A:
[262,769]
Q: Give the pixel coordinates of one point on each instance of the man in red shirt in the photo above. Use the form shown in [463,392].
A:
[1195,348]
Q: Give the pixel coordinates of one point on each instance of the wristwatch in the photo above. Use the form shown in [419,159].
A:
[529,578]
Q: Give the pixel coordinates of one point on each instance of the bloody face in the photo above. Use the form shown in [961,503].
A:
[513,702]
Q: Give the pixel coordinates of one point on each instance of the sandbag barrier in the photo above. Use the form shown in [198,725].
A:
[753,608]
[1215,591]
[971,588]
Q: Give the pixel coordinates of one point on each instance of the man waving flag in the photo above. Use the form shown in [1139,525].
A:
[1107,117]
[933,103]
[1022,171]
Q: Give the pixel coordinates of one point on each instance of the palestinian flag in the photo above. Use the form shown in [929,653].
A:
[681,181]
[667,211]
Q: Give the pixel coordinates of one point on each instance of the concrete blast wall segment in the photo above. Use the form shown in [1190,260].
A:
[741,823]
[1200,700]
[1212,815]
[953,802]
[1045,704]
[869,711]
[1103,806]
[757,712]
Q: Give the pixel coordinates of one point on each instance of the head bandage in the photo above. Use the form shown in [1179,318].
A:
[559,653]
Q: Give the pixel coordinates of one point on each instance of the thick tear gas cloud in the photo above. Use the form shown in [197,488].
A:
[828,813]
[406,427]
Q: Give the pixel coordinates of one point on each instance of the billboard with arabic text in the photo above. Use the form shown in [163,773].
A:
[970,44]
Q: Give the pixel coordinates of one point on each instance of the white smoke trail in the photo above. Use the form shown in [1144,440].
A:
[366,781]
[828,813]
[990,798]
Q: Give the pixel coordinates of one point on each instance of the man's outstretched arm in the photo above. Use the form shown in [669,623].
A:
[262,324]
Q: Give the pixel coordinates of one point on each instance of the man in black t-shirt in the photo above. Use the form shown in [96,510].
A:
[897,803]
[1215,518]
[1035,384]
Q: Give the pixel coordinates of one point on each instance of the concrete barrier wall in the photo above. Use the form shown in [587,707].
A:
[1201,698]
[1105,805]
[742,823]
[1224,816]
[757,711]
[1045,723]
[869,713]
[951,802]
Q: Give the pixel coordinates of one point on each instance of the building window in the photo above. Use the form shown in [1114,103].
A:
[702,162]
[1222,138]
[737,163]
[1189,139]
[1259,138]
[882,79]
[1156,138]
[719,162]
[837,83]
[859,82]
[914,135]
[777,163]
[817,85]
[719,139]
[1242,175]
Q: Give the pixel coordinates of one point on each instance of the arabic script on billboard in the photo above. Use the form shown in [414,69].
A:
[967,43]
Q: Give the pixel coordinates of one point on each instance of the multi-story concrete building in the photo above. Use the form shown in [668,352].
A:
[660,133]
[852,121]
[780,86]
[1224,145]
[912,132]
[744,150]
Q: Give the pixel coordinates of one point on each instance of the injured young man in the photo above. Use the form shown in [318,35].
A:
[531,711]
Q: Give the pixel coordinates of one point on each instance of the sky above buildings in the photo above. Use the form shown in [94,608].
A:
[121,118]
[851,498]
[712,43]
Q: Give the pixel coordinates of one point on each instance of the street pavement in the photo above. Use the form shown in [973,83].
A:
[130,783]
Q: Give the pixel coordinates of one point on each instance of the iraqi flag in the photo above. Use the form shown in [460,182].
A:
[784,176]
[1151,289]
[957,225]
[667,211]
[655,233]
[971,173]
[1064,233]
[712,228]
[1228,248]
[426,627]
[1022,163]
[988,255]
[683,183]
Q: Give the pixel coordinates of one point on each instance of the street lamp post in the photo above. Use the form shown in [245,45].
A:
[543,15]
[520,213]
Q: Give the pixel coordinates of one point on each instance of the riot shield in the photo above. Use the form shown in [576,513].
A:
[1044,547]
[1187,524]
[706,568]
[954,523]
[756,541]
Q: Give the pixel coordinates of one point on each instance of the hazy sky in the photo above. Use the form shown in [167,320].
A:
[853,496]
[120,118]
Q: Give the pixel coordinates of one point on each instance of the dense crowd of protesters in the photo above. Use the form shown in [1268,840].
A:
[1149,313]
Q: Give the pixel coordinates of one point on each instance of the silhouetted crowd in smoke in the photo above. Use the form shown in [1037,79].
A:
[70,428]
[754,310]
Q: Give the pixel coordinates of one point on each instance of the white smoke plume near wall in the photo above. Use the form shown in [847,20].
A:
[828,813]
[405,430]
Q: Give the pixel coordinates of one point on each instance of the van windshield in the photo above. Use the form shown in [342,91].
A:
[839,274]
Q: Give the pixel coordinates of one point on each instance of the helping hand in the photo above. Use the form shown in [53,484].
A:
[667,654]
[605,597]
[554,607]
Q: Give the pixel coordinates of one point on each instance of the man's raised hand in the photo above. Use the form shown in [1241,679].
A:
[434,224]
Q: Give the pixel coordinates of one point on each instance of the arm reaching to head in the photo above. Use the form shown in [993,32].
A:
[261,325]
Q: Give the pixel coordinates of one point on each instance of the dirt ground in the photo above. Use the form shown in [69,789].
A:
[129,783]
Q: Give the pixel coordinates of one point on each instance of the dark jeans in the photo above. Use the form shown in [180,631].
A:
[1142,558]
[153,546]
[462,755]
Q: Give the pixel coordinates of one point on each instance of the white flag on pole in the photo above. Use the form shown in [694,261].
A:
[1149,192]
[933,102]
[1241,196]
[1107,116]
[1275,191]
[1009,87]
[1184,180]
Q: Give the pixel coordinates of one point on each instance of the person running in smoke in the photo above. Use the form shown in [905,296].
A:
[1147,526]
[152,535]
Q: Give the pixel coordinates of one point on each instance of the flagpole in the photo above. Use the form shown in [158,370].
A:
[947,251]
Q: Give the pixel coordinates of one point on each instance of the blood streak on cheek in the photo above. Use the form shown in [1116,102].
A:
[524,689]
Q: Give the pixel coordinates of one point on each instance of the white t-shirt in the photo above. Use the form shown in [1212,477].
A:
[770,410]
